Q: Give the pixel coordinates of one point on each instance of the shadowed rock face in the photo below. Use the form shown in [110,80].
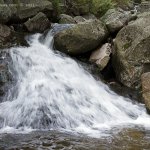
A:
[81,38]
[38,23]
[9,38]
[5,35]
[131,57]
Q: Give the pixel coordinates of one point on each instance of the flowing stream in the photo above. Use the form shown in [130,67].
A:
[54,92]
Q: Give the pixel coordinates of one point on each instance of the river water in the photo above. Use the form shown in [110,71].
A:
[57,100]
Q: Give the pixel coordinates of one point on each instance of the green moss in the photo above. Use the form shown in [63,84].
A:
[127,45]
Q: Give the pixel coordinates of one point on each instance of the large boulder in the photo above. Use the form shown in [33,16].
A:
[22,10]
[145,78]
[38,23]
[101,56]
[131,57]
[115,19]
[81,38]
[5,12]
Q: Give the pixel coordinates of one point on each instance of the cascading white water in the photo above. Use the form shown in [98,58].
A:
[54,92]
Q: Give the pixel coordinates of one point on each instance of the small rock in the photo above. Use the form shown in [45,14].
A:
[38,23]
[145,78]
[101,56]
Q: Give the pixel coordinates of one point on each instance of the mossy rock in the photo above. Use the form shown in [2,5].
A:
[5,12]
[22,10]
[131,57]
[81,38]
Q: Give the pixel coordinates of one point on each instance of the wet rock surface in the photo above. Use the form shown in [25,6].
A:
[122,140]
[81,38]
[6,78]
[11,38]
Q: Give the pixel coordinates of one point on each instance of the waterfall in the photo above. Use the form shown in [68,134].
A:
[54,92]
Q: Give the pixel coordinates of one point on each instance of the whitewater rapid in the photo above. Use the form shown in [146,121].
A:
[53,92]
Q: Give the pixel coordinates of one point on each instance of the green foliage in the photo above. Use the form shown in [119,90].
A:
[82,1]
[16,1]
[56,6]
[99,7]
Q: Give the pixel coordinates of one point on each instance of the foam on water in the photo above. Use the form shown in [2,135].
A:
[54,92]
